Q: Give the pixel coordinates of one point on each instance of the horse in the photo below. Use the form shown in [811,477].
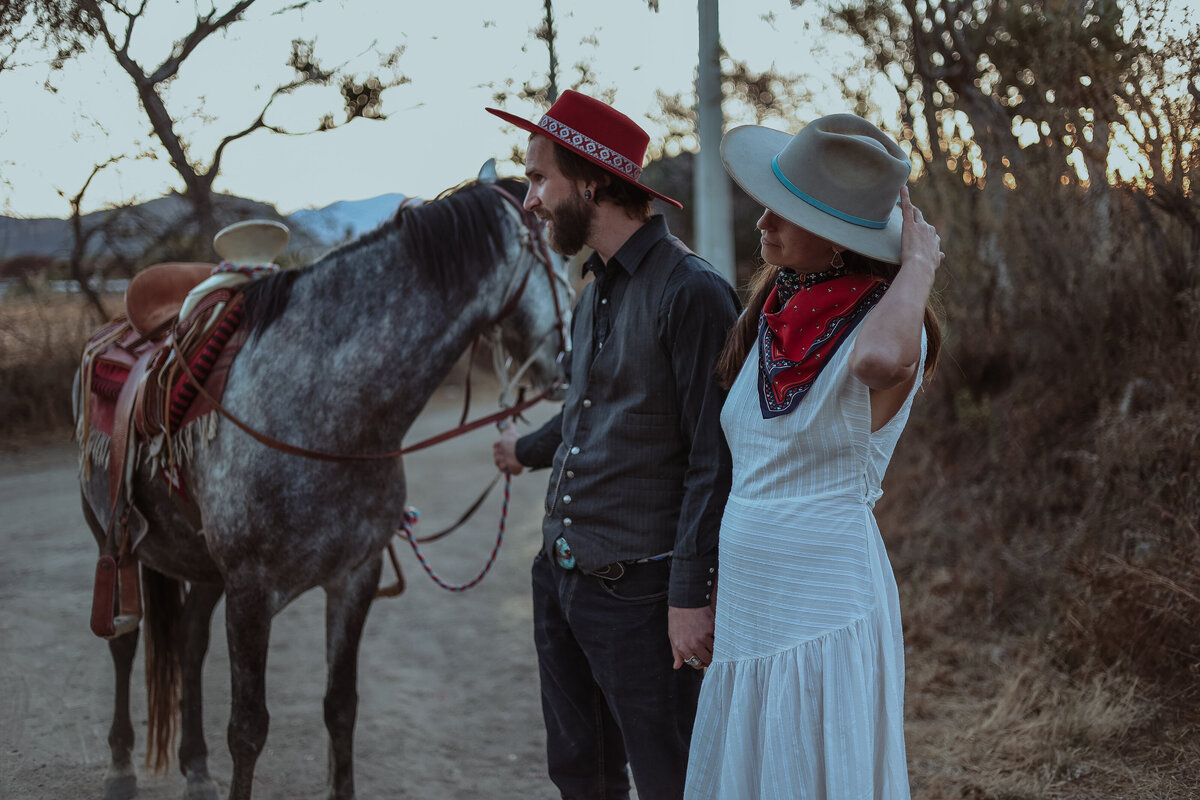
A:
[342,354]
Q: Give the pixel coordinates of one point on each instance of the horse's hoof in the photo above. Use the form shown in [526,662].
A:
[201,788]
[120,787]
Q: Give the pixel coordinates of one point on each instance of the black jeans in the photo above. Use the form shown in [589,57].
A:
[609,693]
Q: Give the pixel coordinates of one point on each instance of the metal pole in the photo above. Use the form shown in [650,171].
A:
[713,220]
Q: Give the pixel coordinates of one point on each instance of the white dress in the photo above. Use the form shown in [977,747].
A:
[804,699]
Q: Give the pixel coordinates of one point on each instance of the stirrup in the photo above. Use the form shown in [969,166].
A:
[109,577]
[397,588]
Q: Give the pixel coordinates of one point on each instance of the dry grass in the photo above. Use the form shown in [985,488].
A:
[41,336]
[992,716]
[44,326]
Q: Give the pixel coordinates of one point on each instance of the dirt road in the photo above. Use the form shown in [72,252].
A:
[448,683]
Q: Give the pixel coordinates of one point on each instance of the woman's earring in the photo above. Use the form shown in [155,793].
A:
[837,262]
[587,194]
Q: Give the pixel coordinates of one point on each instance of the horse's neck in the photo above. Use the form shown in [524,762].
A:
[391,328]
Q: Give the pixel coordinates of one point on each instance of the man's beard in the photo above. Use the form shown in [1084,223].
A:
[572,224]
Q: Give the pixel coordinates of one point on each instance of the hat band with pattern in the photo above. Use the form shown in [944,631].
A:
[590,147]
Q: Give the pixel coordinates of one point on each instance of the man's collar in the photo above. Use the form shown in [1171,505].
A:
[635,248]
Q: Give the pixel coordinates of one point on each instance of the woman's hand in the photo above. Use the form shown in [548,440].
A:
[920,244]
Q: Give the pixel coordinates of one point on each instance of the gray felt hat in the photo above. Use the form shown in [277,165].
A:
[839,177]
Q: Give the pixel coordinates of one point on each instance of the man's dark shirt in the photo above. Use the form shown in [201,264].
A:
[696,310]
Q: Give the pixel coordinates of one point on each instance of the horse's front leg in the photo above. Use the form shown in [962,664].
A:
[346,607]
[202,598]
[248,613]
[121,781]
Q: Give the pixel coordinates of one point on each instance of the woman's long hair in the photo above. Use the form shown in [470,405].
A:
[740,341]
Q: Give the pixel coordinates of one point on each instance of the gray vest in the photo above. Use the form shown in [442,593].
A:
[617,482]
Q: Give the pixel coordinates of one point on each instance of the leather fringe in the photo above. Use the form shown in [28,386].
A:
[196,435]
[93,452]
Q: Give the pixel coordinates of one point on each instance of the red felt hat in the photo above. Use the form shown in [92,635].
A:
[596,131]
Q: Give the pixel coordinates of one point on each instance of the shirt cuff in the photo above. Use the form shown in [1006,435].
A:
[692,582]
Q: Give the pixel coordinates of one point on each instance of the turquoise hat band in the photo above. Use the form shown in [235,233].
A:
[815,203]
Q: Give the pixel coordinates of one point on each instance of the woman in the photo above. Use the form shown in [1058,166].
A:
[804,695]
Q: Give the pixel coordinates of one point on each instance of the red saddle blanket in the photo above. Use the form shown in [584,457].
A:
[168,399]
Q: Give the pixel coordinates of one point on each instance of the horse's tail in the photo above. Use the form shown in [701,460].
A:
[163,606]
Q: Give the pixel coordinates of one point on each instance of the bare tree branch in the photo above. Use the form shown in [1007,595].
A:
[80,240]
[205,27]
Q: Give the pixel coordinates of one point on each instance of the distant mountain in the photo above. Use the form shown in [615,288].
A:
[134,230]
[144,226]
[345,219]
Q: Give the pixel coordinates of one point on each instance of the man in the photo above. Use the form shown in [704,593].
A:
[622,588]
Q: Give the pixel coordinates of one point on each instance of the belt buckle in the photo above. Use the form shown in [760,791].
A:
[562,554]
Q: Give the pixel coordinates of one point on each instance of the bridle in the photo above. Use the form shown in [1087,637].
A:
[539,254]
[535,243]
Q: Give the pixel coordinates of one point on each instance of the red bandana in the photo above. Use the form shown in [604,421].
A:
[795,342]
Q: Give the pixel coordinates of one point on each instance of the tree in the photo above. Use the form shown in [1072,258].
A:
[1109,90]
[59,25]
[1099,95]
[67,26]
[548,34]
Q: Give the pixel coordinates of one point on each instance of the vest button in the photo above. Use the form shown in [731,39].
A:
[566,522]
[587,403]
[566,498]
[570,473]
[575,450]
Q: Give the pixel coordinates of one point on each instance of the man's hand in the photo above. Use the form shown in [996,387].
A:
[504,452]
[691,633]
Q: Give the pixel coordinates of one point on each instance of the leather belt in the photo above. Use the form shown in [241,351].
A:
[609,572]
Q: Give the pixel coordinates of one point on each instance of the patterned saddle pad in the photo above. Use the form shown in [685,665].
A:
[168,399]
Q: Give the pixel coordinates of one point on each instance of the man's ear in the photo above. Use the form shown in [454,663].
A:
[597,188]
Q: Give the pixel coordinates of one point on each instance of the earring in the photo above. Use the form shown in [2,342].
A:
[587,194]
[836,262]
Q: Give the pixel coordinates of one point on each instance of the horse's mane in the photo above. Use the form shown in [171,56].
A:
[449,240]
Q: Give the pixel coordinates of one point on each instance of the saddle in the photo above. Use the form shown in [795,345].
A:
[139,385]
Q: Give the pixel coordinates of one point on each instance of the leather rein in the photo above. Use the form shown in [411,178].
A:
[536,246]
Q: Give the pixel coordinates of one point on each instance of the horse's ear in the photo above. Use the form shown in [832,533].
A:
[487,173]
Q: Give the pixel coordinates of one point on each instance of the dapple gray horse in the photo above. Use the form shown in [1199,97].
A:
[343,355]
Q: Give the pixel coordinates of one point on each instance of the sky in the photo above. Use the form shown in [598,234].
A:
[458,53]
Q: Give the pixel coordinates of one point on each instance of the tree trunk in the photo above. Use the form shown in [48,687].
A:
[206,223]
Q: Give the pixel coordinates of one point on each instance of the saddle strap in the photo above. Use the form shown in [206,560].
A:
[120,438]
[112,575]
